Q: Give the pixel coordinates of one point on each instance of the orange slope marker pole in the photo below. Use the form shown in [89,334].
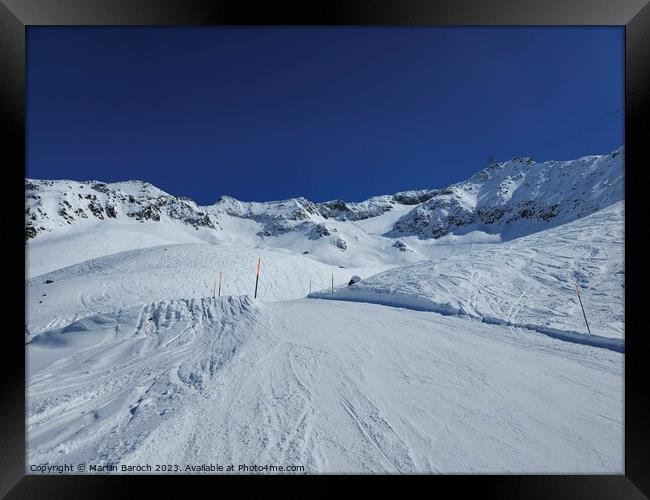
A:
[257,276]
[582,307]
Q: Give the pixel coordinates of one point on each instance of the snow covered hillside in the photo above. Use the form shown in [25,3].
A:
[331,386]
[183,271]
[519,197]
[460,346]
[54,205]
[504,201]
[528,282]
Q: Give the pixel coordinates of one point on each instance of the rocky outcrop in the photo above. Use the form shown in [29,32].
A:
[78,202]
[519,194]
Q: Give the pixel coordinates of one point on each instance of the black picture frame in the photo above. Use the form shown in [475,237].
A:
[17,15]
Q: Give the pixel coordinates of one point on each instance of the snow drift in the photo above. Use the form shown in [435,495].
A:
[528,282]
[329,385]
[131,359]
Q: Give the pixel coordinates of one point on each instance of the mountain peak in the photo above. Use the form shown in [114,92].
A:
[518,193]
[519,197]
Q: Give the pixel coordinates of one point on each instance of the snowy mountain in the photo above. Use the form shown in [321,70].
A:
[461,349]
[505,200]
[54,205]
[519,197]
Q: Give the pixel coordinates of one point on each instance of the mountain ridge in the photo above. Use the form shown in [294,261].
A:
[533,195]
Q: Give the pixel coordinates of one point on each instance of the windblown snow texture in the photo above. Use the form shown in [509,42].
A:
[528,282]
[458,347]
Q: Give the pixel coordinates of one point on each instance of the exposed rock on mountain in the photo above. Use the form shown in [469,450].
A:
[513,198]
[53,205]
[519,197]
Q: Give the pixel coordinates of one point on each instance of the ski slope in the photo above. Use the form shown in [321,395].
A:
[131,360]
[528,282]
[463,348]
[181,271]
[51,252]
[330,385]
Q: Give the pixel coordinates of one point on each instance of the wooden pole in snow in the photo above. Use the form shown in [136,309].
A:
[257,276]
[582,307]
[332,282]
[309,287]
[220,276]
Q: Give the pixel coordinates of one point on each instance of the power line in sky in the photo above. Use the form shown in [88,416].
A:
[586,128]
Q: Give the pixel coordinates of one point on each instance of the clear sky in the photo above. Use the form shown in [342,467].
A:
[328,112]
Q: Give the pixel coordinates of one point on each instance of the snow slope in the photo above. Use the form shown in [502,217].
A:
[122,280]
[519,197]
[52,252]
[528,282]
[502,202]
[329,385]
[69,222]
[484,365]
[53,206]
[56,241]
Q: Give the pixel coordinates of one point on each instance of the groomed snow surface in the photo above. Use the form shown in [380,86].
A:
[332,386]
[528,282]
[462,354]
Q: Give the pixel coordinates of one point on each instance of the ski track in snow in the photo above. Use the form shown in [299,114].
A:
[333,386]
[136,277]
[462,354]
[528,284]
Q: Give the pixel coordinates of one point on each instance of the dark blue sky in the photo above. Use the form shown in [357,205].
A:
[271,113]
